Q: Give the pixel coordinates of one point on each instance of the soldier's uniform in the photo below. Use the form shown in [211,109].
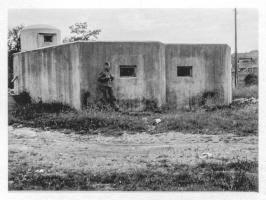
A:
[105,79]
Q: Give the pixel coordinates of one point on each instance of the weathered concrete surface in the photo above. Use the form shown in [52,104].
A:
[149,83]
[66,73]
[49,74]
[210,72]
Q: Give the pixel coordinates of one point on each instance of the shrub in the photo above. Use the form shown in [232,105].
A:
[150,105]
[205,98]
[23,98]
[241,120]
[60,116]
[251,79]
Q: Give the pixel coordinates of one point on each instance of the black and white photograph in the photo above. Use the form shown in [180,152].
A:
[133,99]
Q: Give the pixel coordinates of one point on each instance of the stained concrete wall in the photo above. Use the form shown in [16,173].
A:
[210,72]
[132,92]
[49,74]
[66,73]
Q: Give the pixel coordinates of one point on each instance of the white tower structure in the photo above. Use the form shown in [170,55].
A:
[37,36]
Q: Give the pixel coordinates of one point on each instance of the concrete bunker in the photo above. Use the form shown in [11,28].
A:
[145,72]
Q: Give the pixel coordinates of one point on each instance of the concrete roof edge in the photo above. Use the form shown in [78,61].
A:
[158,42]
[194,44]
[127,41]
[78,42]
[47,47]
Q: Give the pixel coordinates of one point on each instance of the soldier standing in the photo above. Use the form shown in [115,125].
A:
[105,79]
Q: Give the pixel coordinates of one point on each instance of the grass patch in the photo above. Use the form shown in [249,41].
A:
[44,116]
[235,176]
[245,92]
[240,120]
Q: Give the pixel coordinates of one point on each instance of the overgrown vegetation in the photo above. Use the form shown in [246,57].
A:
[14,46]
[225,176]
[234,176]
[251,79]
[238,119]
[245,92]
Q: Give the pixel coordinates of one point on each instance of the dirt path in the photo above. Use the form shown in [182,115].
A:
[55,151]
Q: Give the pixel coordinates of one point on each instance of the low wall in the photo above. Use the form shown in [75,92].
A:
[49,74]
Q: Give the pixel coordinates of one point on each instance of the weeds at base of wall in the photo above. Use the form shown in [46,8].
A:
[239,119]
[207,99]
[23,98]
[129,105]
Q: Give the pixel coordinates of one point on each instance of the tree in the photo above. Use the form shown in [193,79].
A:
[80,31]
[14,46]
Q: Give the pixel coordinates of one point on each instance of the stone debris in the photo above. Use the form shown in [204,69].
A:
[157,121]
[251,100]
[39,171]
[206,155]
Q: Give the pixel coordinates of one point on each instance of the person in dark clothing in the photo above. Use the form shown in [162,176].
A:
[105,79]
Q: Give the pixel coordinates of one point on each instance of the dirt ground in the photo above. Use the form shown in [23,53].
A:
[53,151]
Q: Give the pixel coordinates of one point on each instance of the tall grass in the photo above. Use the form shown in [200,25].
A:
[57,116]
[239,119]
[245,92]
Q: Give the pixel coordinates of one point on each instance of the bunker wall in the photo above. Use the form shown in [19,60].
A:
[132,92]
[210,73]
[49,74]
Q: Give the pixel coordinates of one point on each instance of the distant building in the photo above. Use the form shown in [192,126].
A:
[145,72]
[246,65]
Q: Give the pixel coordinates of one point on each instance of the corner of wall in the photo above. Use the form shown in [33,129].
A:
[77,76]
[16,72]
[163,74]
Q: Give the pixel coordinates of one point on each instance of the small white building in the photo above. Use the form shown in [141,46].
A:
[37,36]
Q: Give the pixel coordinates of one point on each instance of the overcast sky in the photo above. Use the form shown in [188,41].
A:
[165,25]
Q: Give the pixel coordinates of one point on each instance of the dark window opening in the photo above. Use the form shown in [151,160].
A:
[48,38]
[184,71]
[128,70]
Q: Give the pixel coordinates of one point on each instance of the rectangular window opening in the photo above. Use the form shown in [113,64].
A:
[184,71]
[48,38]
[128,70]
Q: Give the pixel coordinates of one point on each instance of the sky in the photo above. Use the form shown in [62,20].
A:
[165,25]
